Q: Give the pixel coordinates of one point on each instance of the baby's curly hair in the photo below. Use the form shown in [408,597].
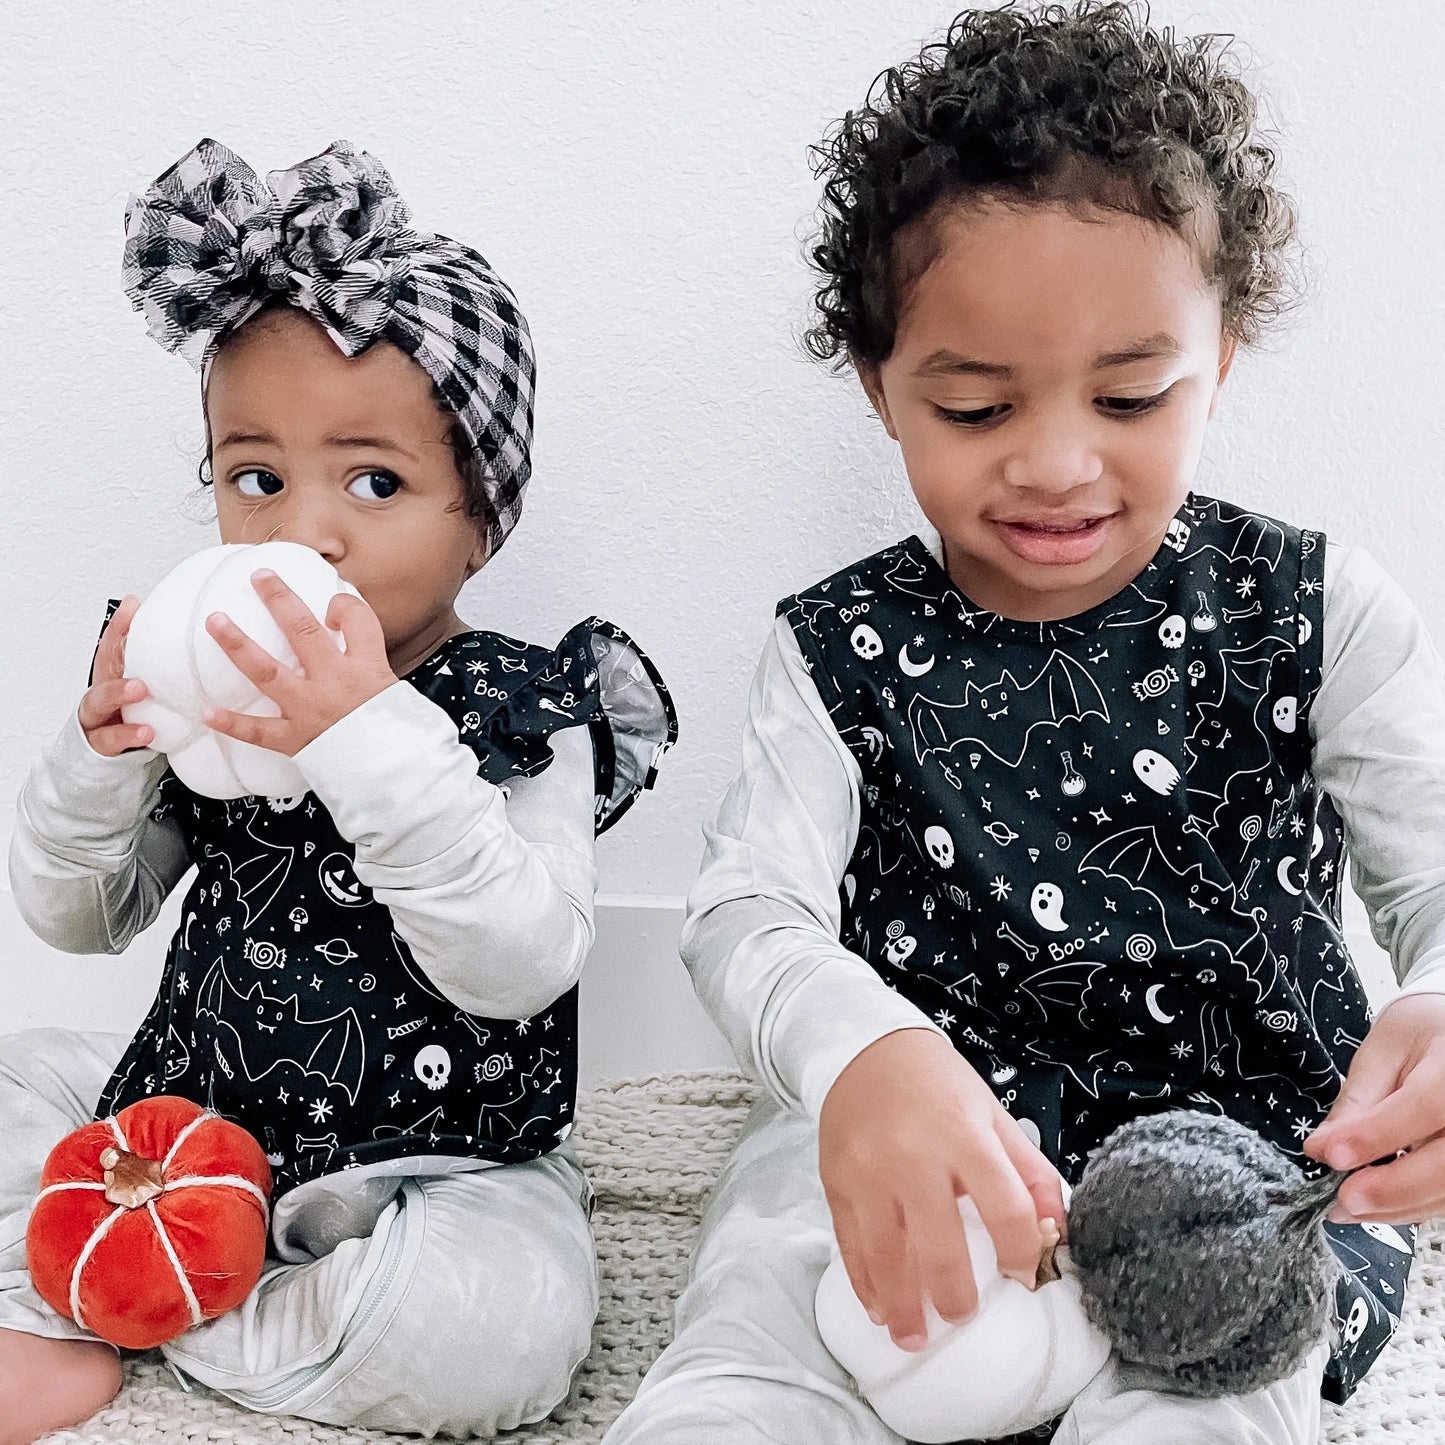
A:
[1082,105]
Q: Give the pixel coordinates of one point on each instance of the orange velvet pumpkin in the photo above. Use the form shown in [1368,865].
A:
[150,1222]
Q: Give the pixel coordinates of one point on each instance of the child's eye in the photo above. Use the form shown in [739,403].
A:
[258,483]
[1131,405]
[978,416]
[374,486]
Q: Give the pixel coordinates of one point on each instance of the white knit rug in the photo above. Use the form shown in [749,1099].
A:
[653,1147]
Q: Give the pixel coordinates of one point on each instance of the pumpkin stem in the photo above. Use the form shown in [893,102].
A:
[130,1180]
[1048,1268]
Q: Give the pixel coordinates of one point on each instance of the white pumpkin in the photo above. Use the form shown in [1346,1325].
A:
[1017,1362]
[186,672]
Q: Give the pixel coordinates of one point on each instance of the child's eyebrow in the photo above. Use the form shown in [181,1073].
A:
[950,363]
[332,439]
[1151,348]
[345,439]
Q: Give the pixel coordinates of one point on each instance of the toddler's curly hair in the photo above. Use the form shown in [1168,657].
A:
[1082,105]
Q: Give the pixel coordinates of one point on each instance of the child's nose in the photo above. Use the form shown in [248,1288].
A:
[314,525]
[1054,459]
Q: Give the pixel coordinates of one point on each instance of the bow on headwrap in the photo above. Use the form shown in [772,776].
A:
[208,244]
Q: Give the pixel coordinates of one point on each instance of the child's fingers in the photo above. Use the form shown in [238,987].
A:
[273,733]
[250,658]
[302,628]
[850,1247]
[893,1269]
[110,654]
[1411,1114]
[1006,1206]
[1374,1074]
[1405,1191]
[118,738]
[945,1267]
[104,700]
[358,624]
[1041,1179]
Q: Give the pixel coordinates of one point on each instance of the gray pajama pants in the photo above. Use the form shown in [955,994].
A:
[747,1364]
[464,1309]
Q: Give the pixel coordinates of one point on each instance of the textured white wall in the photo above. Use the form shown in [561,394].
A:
[638,172]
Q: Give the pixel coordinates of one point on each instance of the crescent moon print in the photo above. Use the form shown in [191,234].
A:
[908,667]
[1285,864]
[1151,1002]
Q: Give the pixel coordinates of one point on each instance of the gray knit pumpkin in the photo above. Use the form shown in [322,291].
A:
[1201,1253]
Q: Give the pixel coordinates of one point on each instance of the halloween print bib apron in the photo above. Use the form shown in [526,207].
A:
[1092,850]
[289,1003]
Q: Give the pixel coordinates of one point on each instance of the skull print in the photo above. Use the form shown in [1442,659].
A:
[433,1066]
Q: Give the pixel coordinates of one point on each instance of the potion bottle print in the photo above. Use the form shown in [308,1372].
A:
[1073,783]
[1203,620]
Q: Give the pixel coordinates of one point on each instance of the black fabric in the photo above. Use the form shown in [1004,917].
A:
[1093,851]
[290,1005]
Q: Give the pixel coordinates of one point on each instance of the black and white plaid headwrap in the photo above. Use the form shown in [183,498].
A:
[208,244]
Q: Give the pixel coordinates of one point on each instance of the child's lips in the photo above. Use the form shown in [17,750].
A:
[1055,542]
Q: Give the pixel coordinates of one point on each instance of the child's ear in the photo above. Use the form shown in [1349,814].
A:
[873,385]
[1228,347]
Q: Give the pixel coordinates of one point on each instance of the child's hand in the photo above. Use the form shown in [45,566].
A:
[330,683]
[905,1130]
[1393,1098]
[99,714]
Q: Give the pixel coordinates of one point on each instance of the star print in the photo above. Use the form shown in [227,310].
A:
[395,1099]
[944,1019]
[1246,587]
[1100,816]
[477,669]
[1310,586]
[315,982]
[311,810]
[547,1022]
[1327,869]
[1001,888]
[1130,798]
[1182,1051]
[987,806]
[968,662]
[1111,905]
[1072,1158]
[1301,1126]
[320,1109]
[1033,795]
[1297,825]
[1124,994]
[523,1025]
[400,1000]
[182,985]
[1088,750]
[918,641]
[285,1097]
[1213,575]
